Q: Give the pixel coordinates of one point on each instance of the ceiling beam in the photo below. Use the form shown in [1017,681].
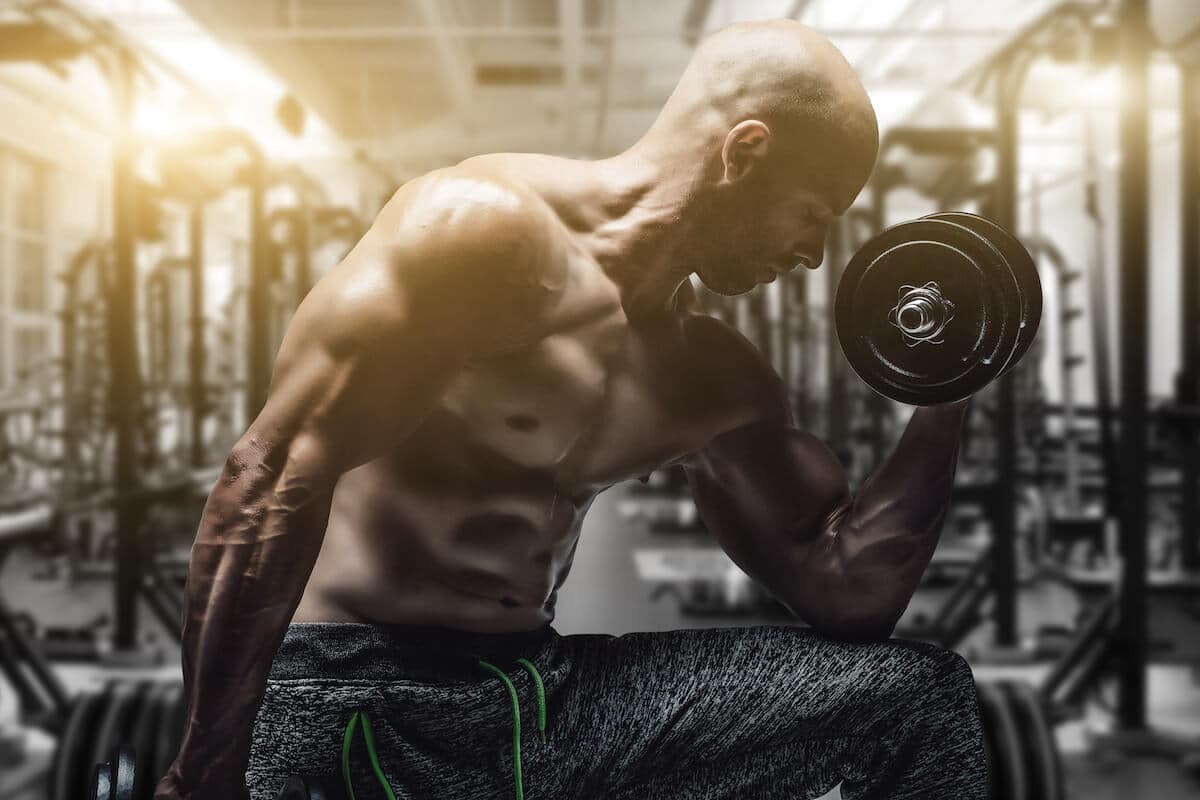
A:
[551,32]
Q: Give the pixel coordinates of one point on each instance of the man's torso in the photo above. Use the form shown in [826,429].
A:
[473,520]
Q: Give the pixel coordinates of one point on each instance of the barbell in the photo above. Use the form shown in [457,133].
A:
[932,310]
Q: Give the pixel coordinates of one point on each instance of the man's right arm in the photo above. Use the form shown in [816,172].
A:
[449,271]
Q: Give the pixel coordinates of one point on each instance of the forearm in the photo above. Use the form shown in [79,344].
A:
[886,534]
[249,564]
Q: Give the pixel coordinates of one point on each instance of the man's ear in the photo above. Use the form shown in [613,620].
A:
[745,145]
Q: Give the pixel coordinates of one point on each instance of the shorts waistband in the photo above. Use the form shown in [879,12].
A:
[375,652]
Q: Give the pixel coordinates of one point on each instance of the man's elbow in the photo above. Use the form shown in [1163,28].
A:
[848,620]
[861,629]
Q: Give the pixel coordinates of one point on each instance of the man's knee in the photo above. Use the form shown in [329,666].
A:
[931,672]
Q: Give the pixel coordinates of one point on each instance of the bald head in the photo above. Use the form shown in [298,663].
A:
[778,135]
[789,77]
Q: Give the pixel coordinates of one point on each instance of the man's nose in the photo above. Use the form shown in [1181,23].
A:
[811,251]
[810,255]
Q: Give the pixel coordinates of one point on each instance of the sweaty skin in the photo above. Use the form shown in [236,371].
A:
[515,334]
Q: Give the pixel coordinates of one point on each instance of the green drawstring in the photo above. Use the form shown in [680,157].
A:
[541,694]
[512,696]
[369,735]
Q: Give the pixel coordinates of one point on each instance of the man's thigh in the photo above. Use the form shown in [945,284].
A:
[301,726]
[705,706]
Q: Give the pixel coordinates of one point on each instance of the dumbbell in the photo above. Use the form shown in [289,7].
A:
[932,310]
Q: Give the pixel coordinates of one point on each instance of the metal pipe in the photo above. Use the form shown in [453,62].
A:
[29,700]
[1097,283]
[125,393]
[197,378]
[1133,205]
[1019,40]
[24,651]
[258,327]
[1189,316]
[1004,491]
[1083,658]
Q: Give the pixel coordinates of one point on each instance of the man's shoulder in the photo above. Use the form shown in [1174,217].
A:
[490,223]
[467,201]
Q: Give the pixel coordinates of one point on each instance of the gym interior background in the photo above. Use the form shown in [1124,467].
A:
[175,174]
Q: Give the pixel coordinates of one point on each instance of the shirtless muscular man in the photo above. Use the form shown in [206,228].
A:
[373,581]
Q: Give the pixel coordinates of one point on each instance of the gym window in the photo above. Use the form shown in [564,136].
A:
[25,319]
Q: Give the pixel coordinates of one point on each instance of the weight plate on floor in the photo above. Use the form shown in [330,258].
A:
[1010,779]
[170,724]
[124,772]
[928,312]
[72,757]
[989,751]
[1044,767]
[1029,282]
[112,725]
[145,737]
[102,783]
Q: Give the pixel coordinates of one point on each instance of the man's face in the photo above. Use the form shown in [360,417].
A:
[760,228]
[772,219]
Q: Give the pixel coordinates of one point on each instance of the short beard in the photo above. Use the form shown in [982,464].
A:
[726,279]
[730,265]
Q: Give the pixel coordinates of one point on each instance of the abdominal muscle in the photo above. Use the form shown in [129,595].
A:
[403,554]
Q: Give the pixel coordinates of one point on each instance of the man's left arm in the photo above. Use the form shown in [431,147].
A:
[778,502]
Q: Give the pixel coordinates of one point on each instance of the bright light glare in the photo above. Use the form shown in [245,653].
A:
[154,121]
[1103,89]
[246,91]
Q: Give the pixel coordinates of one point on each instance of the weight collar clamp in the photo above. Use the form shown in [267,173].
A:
[921,314]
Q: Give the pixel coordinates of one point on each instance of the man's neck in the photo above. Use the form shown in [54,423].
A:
[641,237]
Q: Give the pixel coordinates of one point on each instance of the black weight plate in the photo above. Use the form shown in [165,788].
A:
[110,730]
[144,737]
[977,338]
[124,772]
[989,751]
[72,766]
[101,787]
[170,723]
[1023,267]
[1037,736]
[1010,779]
[130,728]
